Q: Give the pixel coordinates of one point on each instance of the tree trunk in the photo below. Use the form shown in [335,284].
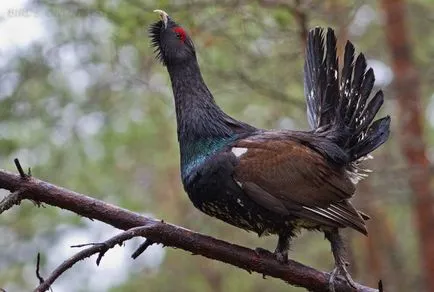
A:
[410,117]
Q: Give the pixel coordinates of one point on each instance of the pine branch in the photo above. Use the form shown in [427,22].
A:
[156,231]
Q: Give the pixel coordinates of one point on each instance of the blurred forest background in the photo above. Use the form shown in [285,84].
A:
[84,103]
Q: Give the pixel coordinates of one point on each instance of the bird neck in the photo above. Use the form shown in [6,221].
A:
[203,128]
[197,114]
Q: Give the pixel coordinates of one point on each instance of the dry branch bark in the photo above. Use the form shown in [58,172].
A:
[170,235]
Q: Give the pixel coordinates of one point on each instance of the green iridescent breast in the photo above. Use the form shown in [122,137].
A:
[194,153]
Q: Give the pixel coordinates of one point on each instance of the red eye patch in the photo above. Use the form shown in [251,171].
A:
[180,33]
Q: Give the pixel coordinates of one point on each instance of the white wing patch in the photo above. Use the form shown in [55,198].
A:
[240,203]
[239,151]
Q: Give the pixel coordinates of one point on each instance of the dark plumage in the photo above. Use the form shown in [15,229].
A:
[276,182]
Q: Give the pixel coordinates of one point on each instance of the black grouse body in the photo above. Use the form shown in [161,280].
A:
[276,182]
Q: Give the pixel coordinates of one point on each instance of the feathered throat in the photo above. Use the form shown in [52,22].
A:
[155,36]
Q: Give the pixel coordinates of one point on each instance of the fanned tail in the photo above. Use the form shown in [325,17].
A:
[340,107]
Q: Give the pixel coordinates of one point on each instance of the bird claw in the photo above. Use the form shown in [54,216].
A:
[281,251]
[282,257]
[340,263]
[340,269]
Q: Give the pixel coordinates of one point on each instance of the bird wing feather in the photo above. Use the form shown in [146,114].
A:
[287,177]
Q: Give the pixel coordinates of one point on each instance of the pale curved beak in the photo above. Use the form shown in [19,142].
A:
[164,16]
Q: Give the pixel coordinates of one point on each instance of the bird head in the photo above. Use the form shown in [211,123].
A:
[172,44]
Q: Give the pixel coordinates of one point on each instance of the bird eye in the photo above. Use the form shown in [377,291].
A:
[180,33]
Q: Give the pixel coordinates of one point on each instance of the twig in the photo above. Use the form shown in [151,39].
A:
[19,168]
[86,244]
[102,245]
[142,248]
[96,248]
[10,200]
[170,235]
[38,275]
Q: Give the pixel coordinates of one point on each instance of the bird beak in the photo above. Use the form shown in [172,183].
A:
[164,16]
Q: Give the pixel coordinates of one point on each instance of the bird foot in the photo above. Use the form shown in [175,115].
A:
[281,252]
[340,269]
[282,257]
[338,250]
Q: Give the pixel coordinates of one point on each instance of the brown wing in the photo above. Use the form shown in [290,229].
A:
[287,177]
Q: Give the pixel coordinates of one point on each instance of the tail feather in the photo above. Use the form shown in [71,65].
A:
[347,71]
[365,91]
[376,135]
[340,107]
[367,115]
[315,81]
[332,78]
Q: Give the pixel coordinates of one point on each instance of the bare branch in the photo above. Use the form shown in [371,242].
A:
[96,248]
[19,168]
[38,263]
[10,200]
[169,235]
[142,248]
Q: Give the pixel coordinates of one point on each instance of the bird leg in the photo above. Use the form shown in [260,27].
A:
[281,252]
[338,249]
